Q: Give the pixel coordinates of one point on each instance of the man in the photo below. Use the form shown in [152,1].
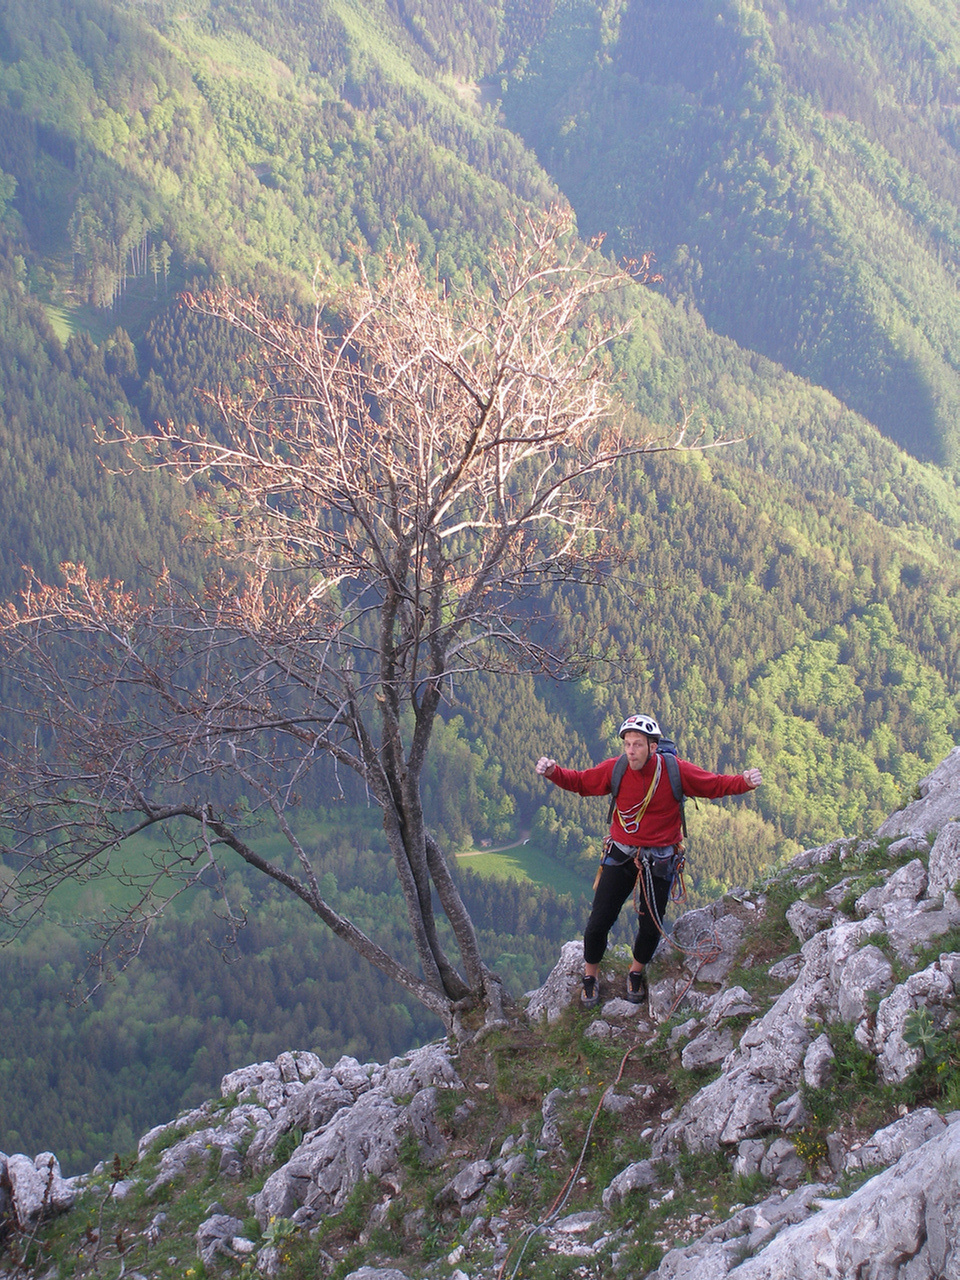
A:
[645,835]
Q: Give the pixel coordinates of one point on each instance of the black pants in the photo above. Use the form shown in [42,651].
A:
[615,887]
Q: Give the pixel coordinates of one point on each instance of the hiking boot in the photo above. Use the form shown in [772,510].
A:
[636,987]
[590,995]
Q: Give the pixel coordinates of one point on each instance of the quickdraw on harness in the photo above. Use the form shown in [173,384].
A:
[635,816]
[644,885]
[666,757]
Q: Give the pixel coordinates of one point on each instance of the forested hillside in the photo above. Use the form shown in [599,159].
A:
[794,167]
[152,1040]
[253,139]
[791,600]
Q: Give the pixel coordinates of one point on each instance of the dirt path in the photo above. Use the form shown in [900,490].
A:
[503,848]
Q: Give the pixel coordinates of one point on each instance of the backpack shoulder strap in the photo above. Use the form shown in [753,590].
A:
[619,769]
[673,772]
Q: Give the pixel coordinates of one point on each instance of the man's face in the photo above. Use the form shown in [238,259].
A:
[638,748]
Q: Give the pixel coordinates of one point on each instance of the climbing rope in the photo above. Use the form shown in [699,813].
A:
[567,1187]
[705,954]
[644,885]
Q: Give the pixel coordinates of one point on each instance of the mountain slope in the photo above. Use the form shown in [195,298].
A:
[795,170]
[254,138]
[791,601]
[251,139]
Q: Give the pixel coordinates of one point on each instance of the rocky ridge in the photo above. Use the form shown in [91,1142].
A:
[737,1137]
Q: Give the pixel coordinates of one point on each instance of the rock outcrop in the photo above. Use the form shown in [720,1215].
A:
[937,804]
[33,1189]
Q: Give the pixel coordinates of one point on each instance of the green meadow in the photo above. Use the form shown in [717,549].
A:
[525,861]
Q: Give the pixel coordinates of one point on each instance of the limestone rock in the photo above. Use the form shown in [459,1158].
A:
[818,1062]
[423,1068]
[561,987]
[311,1108]
[910,926]
[36,1188]
[362,1140]
[575,1224]
[184,1122]
[615,1103]
[889,1144]
[932,989]
[313,1104]
[787,969]
[271,1084]
[732,1002]
[945,858]
[640,1176]
[820,855]
[768,1062]
[782,1165]
[710,938]
[377,1273]
[867,973]
[465,1188]
[620,1007]
[806,920]
[902,1223]
[750,1152]
[214,1237]
[669,994]
[717,1252]
[550,1137]
[223,1142]
[513,1169]
[707,1049]
[908,884]
[939,803]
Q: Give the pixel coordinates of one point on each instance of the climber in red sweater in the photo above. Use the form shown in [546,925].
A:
[645,835]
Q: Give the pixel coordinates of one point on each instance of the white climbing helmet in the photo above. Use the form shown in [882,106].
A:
[641,724]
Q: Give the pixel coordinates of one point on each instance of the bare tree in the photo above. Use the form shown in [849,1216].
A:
[385,494]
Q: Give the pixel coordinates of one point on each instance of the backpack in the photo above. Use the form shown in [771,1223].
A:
[668,751]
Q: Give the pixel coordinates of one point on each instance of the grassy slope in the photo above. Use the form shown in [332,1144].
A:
[524,861]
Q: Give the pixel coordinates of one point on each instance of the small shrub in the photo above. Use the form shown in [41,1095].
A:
[811,1146]
[278,1231]
[920,1032]
[938,1074]
[287,1145]
[853,1090]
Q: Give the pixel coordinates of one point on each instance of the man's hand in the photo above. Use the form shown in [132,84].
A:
[546,766]
[753,778]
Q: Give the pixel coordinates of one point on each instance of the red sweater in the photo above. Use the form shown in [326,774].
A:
[660,824]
